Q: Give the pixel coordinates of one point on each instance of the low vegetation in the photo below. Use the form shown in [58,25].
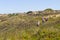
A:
[24,27]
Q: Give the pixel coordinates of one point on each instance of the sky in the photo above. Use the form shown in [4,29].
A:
[12,6]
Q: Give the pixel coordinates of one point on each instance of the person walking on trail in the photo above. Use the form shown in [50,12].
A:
[38,23]
[43,19]
[46,19]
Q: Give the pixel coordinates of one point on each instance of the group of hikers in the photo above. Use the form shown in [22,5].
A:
[44,19]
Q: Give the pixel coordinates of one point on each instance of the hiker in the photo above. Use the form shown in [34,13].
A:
[46,19]
[43,19]
[38,23]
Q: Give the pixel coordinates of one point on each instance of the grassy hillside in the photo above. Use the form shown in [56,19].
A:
[24,27]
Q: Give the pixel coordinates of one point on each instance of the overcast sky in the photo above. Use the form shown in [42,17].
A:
[10,6]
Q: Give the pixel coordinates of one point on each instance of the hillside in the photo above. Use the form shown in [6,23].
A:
[24,26]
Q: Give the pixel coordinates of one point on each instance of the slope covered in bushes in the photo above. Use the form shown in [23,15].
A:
[24,27]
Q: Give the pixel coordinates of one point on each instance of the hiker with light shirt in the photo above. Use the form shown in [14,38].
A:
[38,23]
[43,19]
